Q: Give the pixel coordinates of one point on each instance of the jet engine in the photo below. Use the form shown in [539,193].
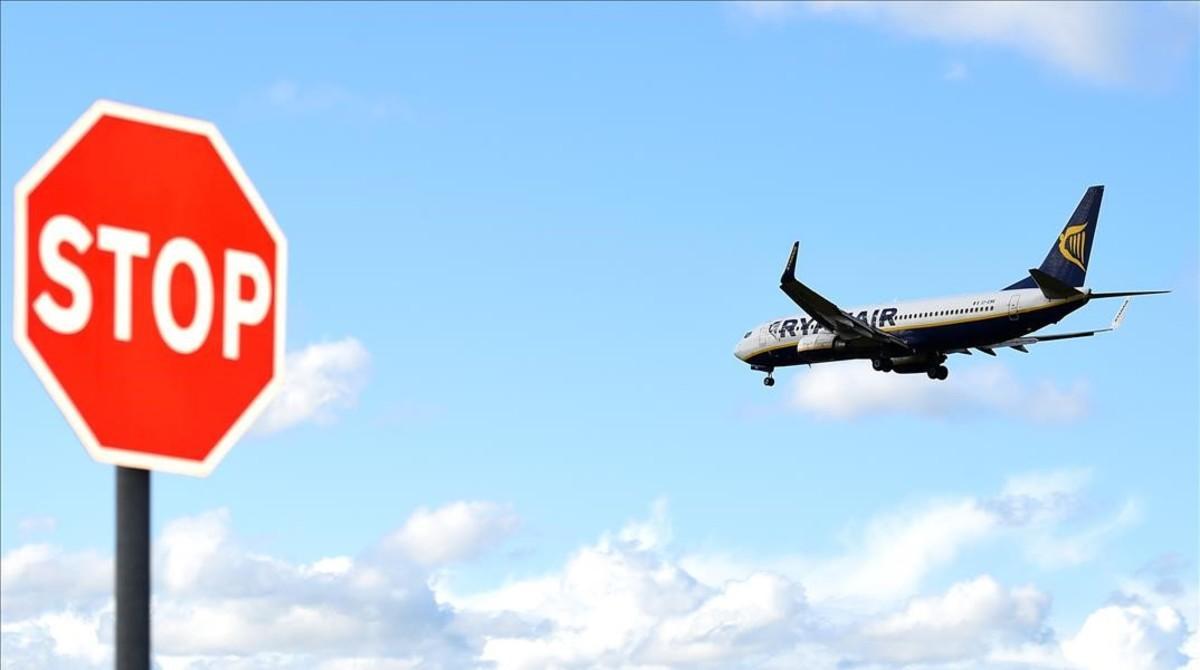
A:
[916,363]
[820,341]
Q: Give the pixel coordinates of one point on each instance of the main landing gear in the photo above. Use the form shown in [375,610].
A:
[940,372]
[881,364]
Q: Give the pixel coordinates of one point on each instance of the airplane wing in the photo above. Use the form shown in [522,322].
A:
[826,313]
[1019,343]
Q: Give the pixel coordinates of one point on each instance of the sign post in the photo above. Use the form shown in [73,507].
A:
[149,299]
[133,569]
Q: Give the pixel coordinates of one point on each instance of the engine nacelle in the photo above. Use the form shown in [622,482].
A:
[820,341]
[916,363]
[815,342]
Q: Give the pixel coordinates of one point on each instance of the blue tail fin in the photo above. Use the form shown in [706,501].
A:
[1068,258]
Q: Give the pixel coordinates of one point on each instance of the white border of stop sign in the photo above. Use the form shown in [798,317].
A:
[25,186]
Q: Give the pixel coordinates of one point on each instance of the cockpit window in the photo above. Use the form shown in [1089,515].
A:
[747,334]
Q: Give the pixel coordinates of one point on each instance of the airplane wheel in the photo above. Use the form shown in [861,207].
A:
[877,364]
[942,372]
[932,372]
[769,381]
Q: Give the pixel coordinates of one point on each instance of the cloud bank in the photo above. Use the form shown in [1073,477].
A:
[626,600]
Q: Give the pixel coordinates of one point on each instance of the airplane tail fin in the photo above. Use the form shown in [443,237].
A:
[1067,261]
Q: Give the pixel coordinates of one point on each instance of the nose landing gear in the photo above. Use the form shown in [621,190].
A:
[769,380]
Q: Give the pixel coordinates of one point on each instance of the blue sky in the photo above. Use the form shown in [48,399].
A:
[524,240]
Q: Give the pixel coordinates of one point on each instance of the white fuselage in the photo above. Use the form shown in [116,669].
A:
[1005,310]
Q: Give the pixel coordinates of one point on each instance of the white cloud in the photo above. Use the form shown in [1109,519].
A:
[34,574]
[1129,638]
[626,600]
[453,532]
[1098,42]
[188,547]
[651,533]
[63,639]
[1191,649]
[622,602]
[757,614]
[219,604]
[1065,550]
[1167,581]
[898,551]
[890,556]
[851,389]
[319,379]
[965,622]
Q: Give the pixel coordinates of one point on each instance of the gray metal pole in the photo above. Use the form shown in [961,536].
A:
[133,569]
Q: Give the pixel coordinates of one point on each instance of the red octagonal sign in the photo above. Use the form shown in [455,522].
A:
[149,288]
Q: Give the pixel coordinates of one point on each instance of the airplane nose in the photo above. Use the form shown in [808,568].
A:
[740,351]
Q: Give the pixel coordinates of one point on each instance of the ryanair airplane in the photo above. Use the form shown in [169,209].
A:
[917,336]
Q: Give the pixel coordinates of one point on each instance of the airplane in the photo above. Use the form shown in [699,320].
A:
[917,336]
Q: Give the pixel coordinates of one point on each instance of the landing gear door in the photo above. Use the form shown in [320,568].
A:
[1013,307]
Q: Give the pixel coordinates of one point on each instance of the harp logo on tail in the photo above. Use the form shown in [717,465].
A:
[1072,243]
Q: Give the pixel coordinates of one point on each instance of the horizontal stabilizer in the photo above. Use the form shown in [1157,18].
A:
[1124,294]
[1052,287]
[1019,343]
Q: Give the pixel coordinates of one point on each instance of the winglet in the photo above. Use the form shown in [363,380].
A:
[1116,322]
[789,270]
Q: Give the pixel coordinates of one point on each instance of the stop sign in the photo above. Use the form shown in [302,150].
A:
[149,288]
